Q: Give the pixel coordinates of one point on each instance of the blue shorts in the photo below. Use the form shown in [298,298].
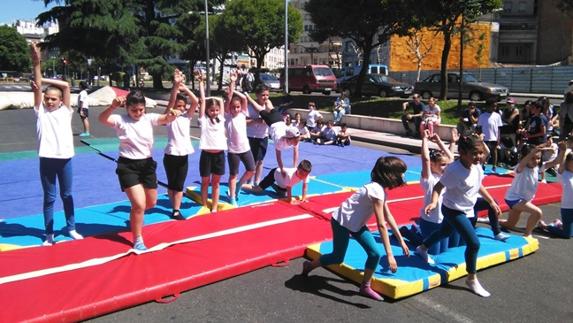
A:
[512,203]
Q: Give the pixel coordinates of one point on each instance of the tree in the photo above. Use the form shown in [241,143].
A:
[226,39]
[369,23]
[260,25]
[444,16]
[419,49]
[14,53]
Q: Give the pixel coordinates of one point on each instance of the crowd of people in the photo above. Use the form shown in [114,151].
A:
[242,126]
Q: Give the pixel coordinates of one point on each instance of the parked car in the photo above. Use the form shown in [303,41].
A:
[472,88]
[271,81]
[377,84]
[310,78]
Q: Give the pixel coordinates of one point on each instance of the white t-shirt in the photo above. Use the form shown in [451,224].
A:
[256,129]
[566,179]
[179,136]
[277,131]
[237,139]
[428,184]
[311,118]
[490,123]
[462,187]
[524,185]
[431,114]
[356,210]
[289,180]
[135,137]
[54,132]
[213,134]
[83,98]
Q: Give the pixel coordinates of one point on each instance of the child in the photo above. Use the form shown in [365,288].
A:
[489,122]
[523,187]
[312,116]
[343,137]
[564,228]
[283,136]
[327,135]
[433,164]
[353,214]
[175,160]
[212,143]
[316,132]
[135,166]
[258,132]
[55,146]
[463,182]
[239,149]
[83,109]
[548,158]
[535,133]
[469,119]
[283,184]
[430,116]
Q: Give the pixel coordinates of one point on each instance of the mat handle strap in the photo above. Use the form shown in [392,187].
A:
[168,299]
[281,263]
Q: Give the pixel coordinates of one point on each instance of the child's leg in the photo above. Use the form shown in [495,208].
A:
[65,176]
[48,179]
[517,209]
[340,239]
[481,204]
[137,197]
[249,163]
[150,197]
[427,228]
[205,182]
[431,127]
[268,180]
[567,219]
[462,224]
[366,240]
[512,217]
[233,160]
[215,192]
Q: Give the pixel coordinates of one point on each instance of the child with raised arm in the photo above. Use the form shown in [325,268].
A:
[55,146]
[176,158]
[351,217]
[283,136]
[283,184]
[520,194]
[258,132]
[135,166]
[213,144]
[238,142]
[463,182]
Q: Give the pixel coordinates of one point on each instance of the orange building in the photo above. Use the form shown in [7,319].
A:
[429,43]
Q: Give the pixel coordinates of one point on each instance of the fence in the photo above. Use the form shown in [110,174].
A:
[534,79]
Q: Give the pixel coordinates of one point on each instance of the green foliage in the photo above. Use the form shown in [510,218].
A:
[14,53]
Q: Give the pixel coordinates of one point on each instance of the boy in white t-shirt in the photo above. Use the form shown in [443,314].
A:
[55,146]
[312,116]
[83,109]
[490,122]
[282,184]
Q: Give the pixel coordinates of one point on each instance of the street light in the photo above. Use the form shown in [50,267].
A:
[207,58]
[286,47]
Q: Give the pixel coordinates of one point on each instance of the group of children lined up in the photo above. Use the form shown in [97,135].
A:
[235,126]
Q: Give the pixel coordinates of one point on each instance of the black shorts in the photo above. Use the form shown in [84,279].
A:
[176,171]
[85,111]
[246,158]
[259,148]
[131,172]
[211,163]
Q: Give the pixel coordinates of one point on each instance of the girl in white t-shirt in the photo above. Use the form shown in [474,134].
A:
[213,143]
[178,148]
[55,146]
[433,164]
[463,182]
[520,194]
[351,217]
[564,228]
[430,116]
[135,165]
[236,110]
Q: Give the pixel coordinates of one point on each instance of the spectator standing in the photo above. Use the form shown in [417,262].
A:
[490,122]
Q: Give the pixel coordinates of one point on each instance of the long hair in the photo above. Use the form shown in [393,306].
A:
[388,172]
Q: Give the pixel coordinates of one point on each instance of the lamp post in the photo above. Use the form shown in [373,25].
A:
[207,59]
[286,47]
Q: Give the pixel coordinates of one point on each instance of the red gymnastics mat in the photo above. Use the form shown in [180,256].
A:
[77,280]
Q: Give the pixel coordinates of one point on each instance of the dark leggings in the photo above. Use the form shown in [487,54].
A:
[270,117]
[567,219]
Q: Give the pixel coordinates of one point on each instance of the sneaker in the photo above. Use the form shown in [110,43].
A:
[84,134]
[501,236]
[234,202]
[49,241]
[75,235]
[366,290]
[176,215]
[493,169]
[139,245]
[477,288]
[306,268]
[424,254]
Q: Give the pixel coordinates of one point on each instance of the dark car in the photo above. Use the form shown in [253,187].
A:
[377,85]
[472,88]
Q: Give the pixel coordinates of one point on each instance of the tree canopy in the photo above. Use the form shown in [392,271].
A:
[14,53]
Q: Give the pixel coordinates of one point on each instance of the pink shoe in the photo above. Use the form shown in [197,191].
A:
[366,290]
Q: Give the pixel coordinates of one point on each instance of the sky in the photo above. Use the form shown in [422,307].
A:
[12,10]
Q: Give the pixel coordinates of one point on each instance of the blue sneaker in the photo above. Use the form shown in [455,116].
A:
[84,134]
[139,246]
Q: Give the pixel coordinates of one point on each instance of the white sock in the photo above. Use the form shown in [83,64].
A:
[477,288]
[75,235]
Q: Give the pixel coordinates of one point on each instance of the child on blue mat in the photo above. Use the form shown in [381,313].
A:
[283,184]
[463,182]
[351,217]
[523,187]
[176,158]
[55,146]
[564,228]
[135,165]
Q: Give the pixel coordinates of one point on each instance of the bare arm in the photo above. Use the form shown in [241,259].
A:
[395,229]
[485,194]
[192,96]
[254,103]
[383,230]
[435,197]
[174,91]
[62,85]
[104,117]
[37,72]
[436,138]
[295,155]
[426,169]
[199,77]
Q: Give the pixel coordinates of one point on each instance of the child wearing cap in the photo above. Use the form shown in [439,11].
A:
[282,184]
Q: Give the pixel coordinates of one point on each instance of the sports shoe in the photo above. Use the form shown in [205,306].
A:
[424,254]
[75,235]
[234,202]
[176,214]
[49,241]
[139,245]
[84,134]
[476,287]
[501,236]
[366,290]
[306,268]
